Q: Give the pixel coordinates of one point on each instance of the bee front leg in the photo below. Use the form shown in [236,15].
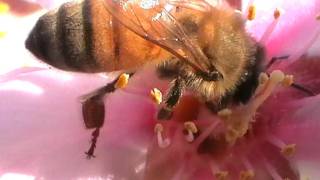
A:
[171,99]
[93,108]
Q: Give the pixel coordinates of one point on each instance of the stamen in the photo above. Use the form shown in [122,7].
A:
[122,81]
[289,150]
[311,41]
[286,149]
[288,80]
[156,95]
[271,170]
[192,129]
[276,13]
[247,163]
[162,143]
[206,133]
[221,175]
[232,135]
[264,90]
[271,27]
[247,175]
[251,12]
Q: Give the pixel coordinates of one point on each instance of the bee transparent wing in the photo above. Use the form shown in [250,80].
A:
[152,20]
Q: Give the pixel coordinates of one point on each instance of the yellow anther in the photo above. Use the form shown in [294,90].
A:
[289,150]
[225,113]
[276,13]
[156,95]
[4,8]
[251,13]
[277,76]
[190,126]
[288,80]
[263,77]
[3,34]
[158,128]
[246,175]
[222,175]
[122,81]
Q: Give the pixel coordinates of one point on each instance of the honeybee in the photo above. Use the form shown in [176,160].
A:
[199,46]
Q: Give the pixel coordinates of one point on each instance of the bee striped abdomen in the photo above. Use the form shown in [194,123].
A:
[85,37]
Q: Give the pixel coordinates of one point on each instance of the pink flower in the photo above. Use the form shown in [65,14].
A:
[42,133]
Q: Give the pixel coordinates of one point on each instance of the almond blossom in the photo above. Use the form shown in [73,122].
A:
[273,136]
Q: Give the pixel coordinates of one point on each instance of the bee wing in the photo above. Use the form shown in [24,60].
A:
[152,20]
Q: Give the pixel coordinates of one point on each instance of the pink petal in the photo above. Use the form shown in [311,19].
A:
[42,131]
[295,31]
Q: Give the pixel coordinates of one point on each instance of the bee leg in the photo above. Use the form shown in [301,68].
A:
[93,108]
[171,99]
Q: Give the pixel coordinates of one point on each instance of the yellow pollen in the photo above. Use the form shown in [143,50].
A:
[4,8]
[288,80]
[156,95]
[158,128]
[251,13]
[276,13]
[190,126]
[222,175]
[246,175]
[277,76]
[289,150]
[3,34]
[122,81]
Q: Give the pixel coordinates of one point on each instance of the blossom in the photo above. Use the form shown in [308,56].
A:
[42,133]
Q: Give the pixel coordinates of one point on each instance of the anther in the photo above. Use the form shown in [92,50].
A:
[246,175]
[276,13]
[122,81]
[288,80]
[318,17]
[251,12]
[289,150]
[286,149]
[277,76]
[222,175]
[192,129]
[270,29]
[156,95]
[163,143]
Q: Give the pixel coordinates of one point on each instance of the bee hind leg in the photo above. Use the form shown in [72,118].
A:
[93,108]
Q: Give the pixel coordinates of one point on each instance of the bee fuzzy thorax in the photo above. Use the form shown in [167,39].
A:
[83,36]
